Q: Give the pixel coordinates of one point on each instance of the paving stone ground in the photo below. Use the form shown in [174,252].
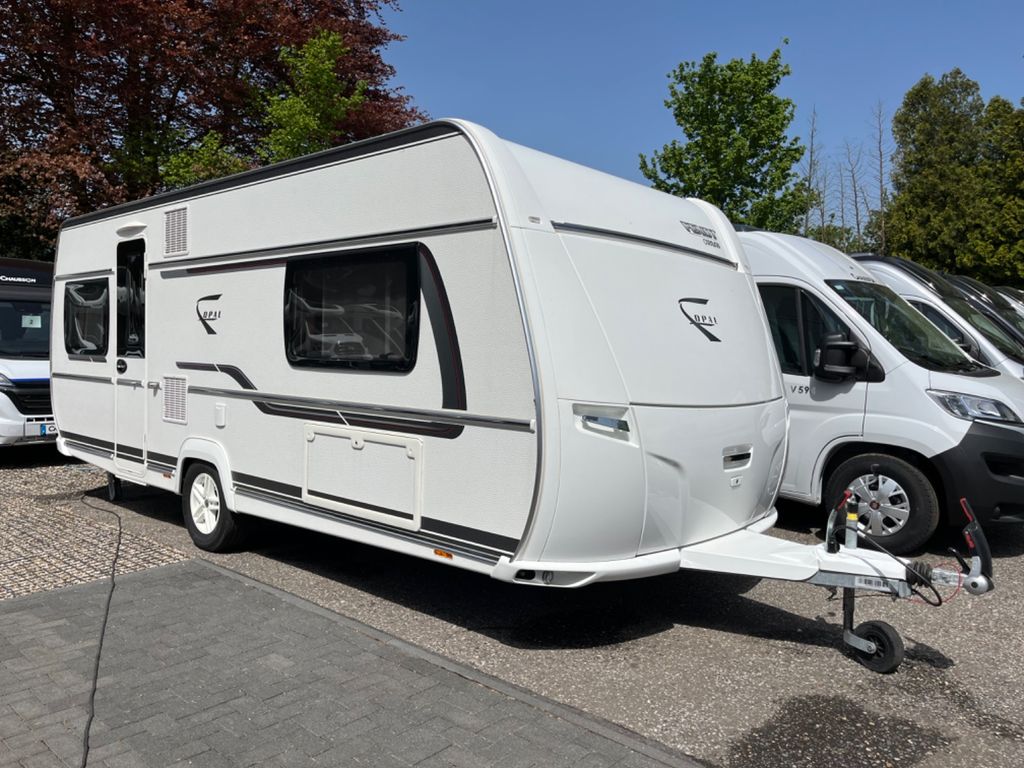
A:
[203,667]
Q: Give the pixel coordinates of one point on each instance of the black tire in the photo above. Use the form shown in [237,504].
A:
[115,488]
[889,649]
[212,529]
[915,493]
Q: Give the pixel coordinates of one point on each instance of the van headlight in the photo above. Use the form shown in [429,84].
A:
[5,382]
[971,407]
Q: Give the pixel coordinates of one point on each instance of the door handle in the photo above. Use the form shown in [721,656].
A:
[122,366]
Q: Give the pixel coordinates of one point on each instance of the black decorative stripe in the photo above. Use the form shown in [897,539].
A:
[446,431]
[308,162]
[80,377]
[128,452]
[580,229]
[361,505]
[267,485]
[460,548]
[95,442]
[293,494]
[492,540]
[163,458]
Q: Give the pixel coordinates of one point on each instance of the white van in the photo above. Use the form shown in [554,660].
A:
[970,327]
[25,412]
[881,402]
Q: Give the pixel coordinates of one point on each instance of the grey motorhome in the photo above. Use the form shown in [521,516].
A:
[25,412]
[432,342]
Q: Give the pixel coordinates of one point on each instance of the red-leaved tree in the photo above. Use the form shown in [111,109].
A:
[96,94]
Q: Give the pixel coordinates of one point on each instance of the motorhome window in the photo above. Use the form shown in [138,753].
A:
[131,300]
[353,310]
[86,306]
[903,327]
[780,306]
[24,329]
[937,319]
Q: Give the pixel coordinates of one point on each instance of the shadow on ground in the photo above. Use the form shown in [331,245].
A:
[32,455]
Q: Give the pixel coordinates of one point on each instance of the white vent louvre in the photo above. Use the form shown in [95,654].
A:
[175,399]
[176,232]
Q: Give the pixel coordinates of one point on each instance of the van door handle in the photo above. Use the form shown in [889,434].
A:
[122,366]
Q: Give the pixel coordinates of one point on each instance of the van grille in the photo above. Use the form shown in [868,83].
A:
[31,398]
[176,399]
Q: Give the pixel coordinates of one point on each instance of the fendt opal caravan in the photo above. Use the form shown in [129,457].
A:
[447,345]
[25,413]
[881,402]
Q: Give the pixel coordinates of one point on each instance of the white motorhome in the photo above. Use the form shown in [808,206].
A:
[433,342]
[967,325]
[881,402]
[25,412]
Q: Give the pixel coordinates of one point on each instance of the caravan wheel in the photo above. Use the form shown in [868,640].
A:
[210,523]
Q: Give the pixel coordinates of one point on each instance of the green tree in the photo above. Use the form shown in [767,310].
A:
[306,115]
[736,153]
[209,159]
[937,184]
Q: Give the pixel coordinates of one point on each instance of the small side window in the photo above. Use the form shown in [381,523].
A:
[818,321]
[86,317]
[353,310]
[780,306]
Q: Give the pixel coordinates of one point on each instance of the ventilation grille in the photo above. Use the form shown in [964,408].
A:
[175,400]
[176,232]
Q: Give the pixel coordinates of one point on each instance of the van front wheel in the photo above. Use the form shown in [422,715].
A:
[897,507]
[210,523]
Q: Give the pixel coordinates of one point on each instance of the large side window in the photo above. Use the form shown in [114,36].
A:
[131,299]
[86,307]
[353,310]
[780,306]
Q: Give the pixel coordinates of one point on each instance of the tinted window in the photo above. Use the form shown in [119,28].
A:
[353,310]
[131,300]
[24,329]
[818,323]
[86,304]
[780,306]
[940,322]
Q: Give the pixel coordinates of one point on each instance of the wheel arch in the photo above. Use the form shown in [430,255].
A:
[840,453]
[200,450]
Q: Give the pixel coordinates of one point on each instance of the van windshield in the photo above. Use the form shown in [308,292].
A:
[987,328]
[904,327]
[24,329]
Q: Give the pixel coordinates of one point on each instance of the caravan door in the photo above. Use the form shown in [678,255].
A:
[130,363]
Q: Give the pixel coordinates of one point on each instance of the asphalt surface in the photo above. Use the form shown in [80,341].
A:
[733,672]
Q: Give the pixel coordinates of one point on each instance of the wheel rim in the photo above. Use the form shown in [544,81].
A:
[883,508]
[204,503]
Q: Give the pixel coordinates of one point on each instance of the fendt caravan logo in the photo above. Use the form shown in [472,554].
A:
[700,320]
[208,314]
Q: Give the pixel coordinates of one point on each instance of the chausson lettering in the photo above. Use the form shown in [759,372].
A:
[14,279]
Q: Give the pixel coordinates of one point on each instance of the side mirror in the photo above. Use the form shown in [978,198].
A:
[838,359]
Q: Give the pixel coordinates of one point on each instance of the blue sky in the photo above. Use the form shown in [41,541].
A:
[587,80]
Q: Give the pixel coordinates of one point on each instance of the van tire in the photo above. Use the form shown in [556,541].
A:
[910,492]
[212,526]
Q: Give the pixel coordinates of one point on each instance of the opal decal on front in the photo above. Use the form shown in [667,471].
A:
[700,320]
[208,315]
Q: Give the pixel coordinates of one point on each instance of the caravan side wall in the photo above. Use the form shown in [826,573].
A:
[438,450]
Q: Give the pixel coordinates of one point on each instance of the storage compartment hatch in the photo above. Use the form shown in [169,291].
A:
[358,472]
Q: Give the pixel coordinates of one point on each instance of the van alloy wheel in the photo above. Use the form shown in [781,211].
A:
[204,503]
[883,508]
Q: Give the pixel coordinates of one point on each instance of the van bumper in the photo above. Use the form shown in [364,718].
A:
[17,428]
[986,468]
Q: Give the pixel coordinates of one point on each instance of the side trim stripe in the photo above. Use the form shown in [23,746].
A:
[580,229]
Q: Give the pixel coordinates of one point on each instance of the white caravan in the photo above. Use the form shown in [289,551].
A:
[881,402]
[447,345]
[25,413]
[955,315]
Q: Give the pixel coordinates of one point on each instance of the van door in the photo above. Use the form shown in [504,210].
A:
[821,413]
[130,366]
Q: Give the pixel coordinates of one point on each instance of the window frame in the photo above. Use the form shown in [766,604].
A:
[804,351]
[100,353]
[407,253]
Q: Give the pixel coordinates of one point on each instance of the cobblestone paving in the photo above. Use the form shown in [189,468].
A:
[45,541]
[205,668]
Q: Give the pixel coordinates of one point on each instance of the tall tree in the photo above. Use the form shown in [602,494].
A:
[736,153]
[936,183]
[95,95]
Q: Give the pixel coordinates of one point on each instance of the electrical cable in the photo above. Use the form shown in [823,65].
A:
[91,710]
